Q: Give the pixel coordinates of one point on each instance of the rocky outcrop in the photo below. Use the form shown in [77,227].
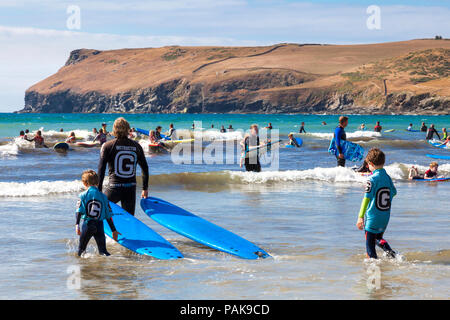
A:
[250,80]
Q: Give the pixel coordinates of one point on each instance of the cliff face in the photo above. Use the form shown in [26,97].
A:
[277,79]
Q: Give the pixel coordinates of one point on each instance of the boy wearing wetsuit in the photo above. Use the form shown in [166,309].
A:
[292,141]
[302,128]
[339,134]
[377,127]
[93,207]
[376,205]
[122,155]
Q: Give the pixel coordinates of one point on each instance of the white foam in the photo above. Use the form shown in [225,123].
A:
[39,188]
[10,150]
[350,135]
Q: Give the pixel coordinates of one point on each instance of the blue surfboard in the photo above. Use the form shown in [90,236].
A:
[299,141]
[138,237]
[437,144]
[200,230]
[147,133]
[352,151]
[433,180]
[435,156]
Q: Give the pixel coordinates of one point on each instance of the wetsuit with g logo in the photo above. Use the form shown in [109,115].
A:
[122,157]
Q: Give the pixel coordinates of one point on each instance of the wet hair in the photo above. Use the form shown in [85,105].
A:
[376,156]
[290,135]
[100,130]
[252,126]
[72,134]
[22,133]
[121,128]
[171,125]
[89,178]
[27,131]
[158,127]
[434,164]
[342,119]
[39,132]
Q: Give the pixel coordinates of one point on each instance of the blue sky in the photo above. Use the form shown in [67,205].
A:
[35,41]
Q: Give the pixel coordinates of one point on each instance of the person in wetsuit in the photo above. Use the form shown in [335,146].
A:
[292,141]
[377,127]
[38,140]
[423,128]
[172,130]
[251,140]
[122,155]
[339,134]
[430,133]
[100,137]
[302,128]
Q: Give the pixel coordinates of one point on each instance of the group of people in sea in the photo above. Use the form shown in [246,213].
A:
[122,155]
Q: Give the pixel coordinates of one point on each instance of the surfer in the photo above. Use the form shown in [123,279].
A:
[302,128]
[444,134]
[223,130]
[363,169]
[132,135]
[251,160]
[430,133]
[122,156]
[71,138]
[362,127]
[377,127]
[423,128]
[93,207]
[431,173]
[324,123]
[292,141]
[104,129]
[171,131]
[22,134]
[410,127]
[269,126]
[100,137]
[230,128]
[339,134]
[38,140]
[376,205]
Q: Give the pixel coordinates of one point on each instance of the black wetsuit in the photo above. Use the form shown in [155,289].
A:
[302,129]
[252,161]
[423,128]
[122,156]
[431,132]
[339,134]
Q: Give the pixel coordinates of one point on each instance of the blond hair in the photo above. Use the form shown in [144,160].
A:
[434,164]
[121,128]
[342,119]
[89,178]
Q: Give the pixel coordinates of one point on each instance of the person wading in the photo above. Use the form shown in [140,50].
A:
[122,155]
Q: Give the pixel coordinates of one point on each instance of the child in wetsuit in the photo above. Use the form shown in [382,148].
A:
[376,205]
[431,173]
[71,138]
[93,207]
[292,141]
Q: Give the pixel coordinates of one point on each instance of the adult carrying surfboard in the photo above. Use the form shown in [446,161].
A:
[122,155]
[343,149]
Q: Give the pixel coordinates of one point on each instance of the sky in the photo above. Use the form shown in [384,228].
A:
[36,36]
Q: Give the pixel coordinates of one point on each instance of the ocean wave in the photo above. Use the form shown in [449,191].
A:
[39,188]
[350,135]
[206,180]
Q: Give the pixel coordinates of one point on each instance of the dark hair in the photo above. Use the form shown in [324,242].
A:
[22,133]
[158,127]
[376,156]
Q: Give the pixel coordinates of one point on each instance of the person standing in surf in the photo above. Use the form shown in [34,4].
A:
[122,155]
[431,132]
[376,205]
[251,159]
[302,128]
[339,135]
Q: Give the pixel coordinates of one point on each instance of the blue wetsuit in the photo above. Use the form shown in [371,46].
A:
[379,192]
[339,134]
[93,207]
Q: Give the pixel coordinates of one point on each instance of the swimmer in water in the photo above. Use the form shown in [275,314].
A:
[292,141]
[71,138]
[100,137]
[38,140]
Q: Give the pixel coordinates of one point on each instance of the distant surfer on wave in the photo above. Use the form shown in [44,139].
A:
[122,156]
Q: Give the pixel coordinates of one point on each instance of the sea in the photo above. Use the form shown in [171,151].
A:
[301,209]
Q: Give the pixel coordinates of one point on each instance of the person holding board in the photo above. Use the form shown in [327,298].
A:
[122,155]
[251,159]
[339,134]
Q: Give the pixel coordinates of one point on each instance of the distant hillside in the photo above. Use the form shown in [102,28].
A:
[284,78]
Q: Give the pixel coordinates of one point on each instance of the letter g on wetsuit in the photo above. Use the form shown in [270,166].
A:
[122,157]
[93,207]
[376,208]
